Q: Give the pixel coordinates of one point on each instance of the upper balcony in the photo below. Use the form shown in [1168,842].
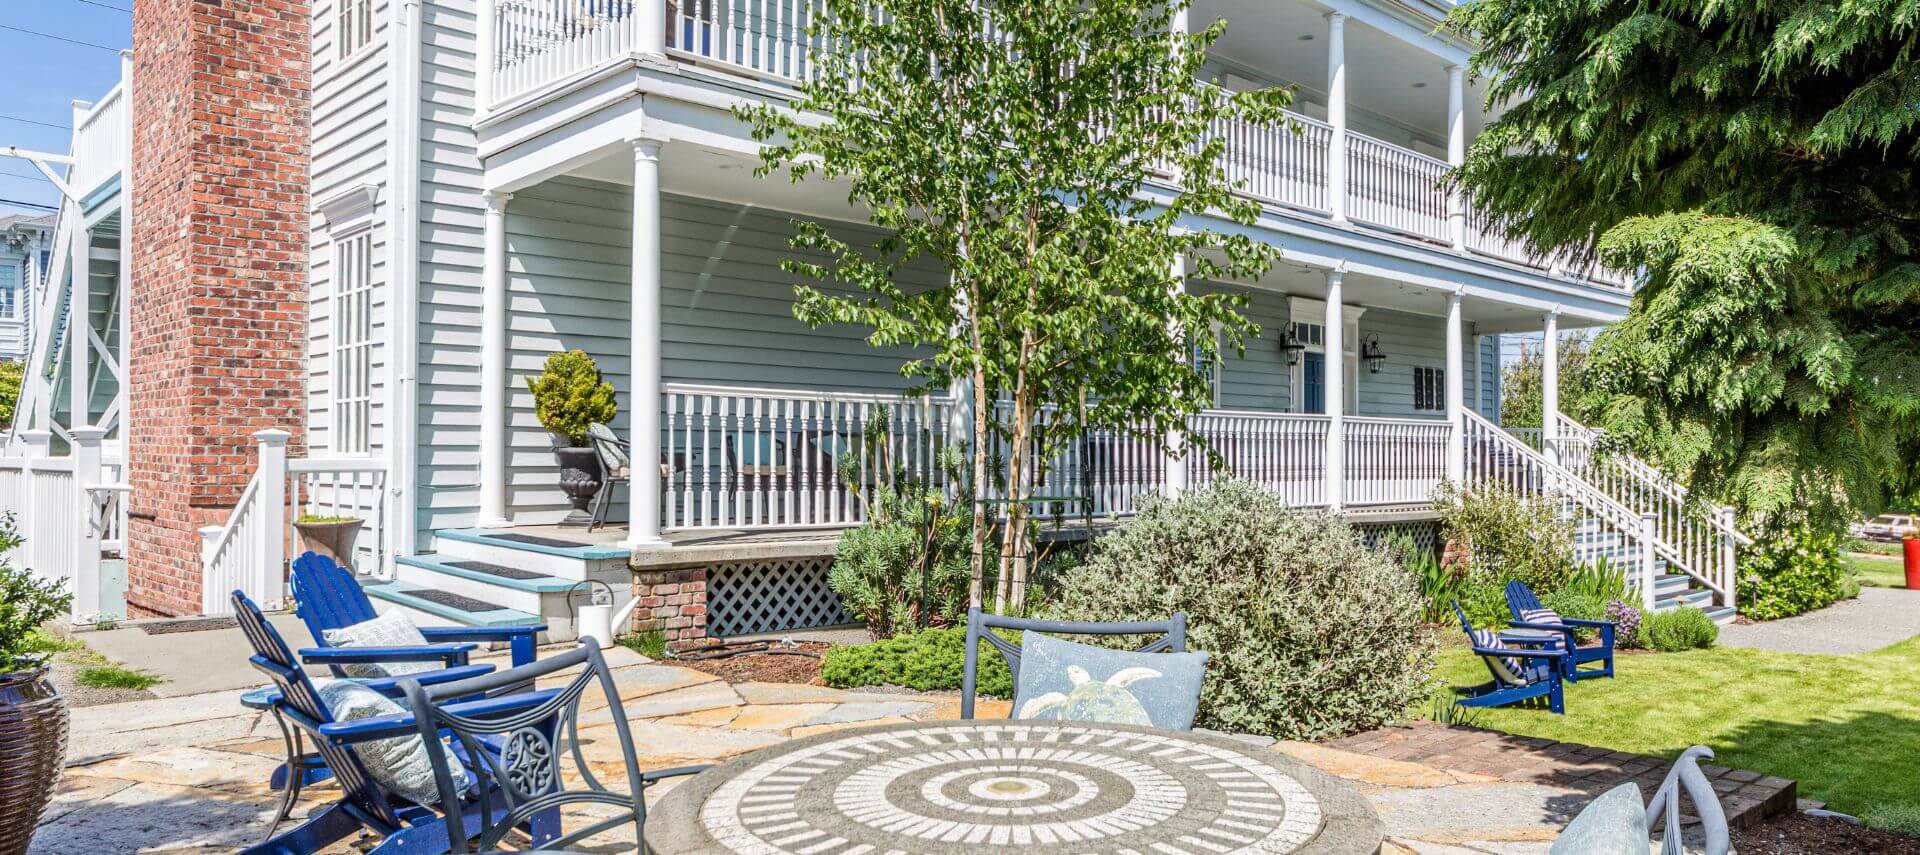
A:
[1385,187]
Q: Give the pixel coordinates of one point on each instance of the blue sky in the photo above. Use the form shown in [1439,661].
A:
[45,75]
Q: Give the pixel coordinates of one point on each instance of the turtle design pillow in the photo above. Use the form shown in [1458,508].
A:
[1067,681]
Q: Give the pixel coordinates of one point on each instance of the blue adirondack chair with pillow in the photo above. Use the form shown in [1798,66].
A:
[1520,673]
[377,755]
[327,597]
[1529,613]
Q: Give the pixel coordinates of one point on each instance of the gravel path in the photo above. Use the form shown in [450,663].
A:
[1879,617]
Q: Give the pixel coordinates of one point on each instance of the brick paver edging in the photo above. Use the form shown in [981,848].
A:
[1749,798]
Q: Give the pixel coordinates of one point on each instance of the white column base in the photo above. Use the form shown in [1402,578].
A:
[645,544]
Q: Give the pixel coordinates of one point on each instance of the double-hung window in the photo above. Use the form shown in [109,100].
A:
[352,311]
[11,280]
[353,26]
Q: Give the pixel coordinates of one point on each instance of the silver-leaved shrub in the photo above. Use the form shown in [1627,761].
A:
[1311,633]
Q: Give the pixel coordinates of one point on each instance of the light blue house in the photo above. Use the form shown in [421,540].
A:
[26,246]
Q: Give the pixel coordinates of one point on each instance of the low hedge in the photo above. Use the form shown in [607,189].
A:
[929,660]
[1685,628]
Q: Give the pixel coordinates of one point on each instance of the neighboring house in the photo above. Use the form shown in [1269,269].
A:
[26,248]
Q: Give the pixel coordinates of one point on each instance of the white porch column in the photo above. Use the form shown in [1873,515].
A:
[79,345]
[1174,443]
[1550,388]
[1334,387]
[1457,150]
[643,495]
[86,547]
[1337,115]
[494,417]
[1456,395]
[1474,343]
[651,33]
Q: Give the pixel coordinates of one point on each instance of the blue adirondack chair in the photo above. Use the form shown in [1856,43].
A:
[1519,673]
[408,828]
[328,597]
[1521,599]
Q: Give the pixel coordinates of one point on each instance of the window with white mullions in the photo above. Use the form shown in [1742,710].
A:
[353,26]
[10,280]
[353,344]
[1429,388]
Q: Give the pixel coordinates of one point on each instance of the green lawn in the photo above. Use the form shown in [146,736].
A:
[1846,727]
[1877,572]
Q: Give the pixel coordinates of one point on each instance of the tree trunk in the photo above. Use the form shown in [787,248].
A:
[981,406]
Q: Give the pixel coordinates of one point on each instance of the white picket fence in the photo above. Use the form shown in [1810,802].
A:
[70,512]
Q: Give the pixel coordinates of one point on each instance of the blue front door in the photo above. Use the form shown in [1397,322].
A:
[1315,376]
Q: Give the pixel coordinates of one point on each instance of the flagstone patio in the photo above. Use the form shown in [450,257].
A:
[189,773]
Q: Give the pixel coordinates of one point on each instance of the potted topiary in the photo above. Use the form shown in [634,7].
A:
[33,716]
[568,397]
[332,537]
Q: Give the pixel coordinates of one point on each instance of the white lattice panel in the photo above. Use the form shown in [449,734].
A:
[1425,533]
[750,597]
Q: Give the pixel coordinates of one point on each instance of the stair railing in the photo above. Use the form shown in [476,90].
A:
[1496,457]
[1694,536]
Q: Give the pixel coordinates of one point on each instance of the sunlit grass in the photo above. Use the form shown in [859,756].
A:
[114,677]
[1877,572]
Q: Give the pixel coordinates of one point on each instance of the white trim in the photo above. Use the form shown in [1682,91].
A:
[353,29]
[349,210]
[403,270]
[350,347]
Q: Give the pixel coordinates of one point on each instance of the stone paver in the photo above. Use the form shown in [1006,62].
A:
[1877,618]
[190,773]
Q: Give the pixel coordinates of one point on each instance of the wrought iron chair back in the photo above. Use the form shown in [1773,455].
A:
[981,626]
[1665,805]
[526,772]
[302,704]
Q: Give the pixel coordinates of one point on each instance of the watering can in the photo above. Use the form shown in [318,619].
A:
[596,618]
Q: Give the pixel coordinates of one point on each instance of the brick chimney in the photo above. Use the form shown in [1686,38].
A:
[219,280]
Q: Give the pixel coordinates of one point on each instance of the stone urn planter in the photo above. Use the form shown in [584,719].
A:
[332,537]
[33,745]
[580,479]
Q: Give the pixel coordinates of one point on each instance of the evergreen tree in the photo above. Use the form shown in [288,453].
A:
[1755,160]
[1521,395]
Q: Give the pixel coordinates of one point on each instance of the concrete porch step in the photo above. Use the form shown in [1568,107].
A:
[507,587]
[431,607]
[547,554]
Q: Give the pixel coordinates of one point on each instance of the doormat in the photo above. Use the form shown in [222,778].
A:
[195,625]
[537,540]
[497,570]
[453,601]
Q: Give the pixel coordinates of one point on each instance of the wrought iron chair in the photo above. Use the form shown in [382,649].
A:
[1706,805]
[406,827]
[328,597]
[1521,600]
[981,626]
[1519,673]
[616,468]
[527,773]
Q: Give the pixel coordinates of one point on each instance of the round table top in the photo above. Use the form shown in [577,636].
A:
[1035,786]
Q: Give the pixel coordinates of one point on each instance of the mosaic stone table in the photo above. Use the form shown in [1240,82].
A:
[1025,786]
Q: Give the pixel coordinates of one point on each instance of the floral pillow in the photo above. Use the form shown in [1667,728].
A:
[1067,681]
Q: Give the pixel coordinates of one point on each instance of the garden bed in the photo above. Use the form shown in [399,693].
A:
[798,664]
[1799,834]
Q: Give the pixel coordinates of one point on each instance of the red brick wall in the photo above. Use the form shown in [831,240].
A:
[673,601]
[218,299]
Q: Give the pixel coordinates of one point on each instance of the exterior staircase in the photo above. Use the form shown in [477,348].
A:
[1670,590]
[495,577]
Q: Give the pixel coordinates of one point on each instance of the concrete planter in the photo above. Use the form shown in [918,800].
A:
[580,478]
[33,745]
[331,539]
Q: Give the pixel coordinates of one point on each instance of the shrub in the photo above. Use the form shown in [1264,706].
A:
[26,602]
[1600,578]
[1684,628]
[1508,536]
[569,396]
[877,566]
[1579,605]
[1796,570]
[928,660]
[1626,619]
[1895,817]
[1439,585]
[1311,633]
[1485,604]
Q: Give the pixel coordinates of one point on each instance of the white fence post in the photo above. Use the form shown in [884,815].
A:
[1729,570]
[273,521]
[86,547]
[37,443]
[1649,530]
[210,601]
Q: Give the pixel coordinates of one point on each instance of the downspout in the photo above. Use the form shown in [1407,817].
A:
[403,218]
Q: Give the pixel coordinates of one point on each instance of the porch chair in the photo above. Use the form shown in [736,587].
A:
[527,775]
[615,466]
[1519,673]
[981,626]
[327,596]
[408,828]
[1529,613]
[1617,823]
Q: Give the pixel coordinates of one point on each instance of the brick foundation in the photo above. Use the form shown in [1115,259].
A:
[217,301]
[673,601]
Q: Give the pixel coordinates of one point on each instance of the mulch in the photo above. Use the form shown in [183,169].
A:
[1799,834]
[790,666]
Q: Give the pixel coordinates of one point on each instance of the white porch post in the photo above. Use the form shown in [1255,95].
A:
[494,417]
[1334,387]
[1456,395]
[643,495]
[1550,388]
[1457,151]
[86,547]
[266,586]
[79,348]
[1337,117]
[1174,444]
[1479,402]
[651,33]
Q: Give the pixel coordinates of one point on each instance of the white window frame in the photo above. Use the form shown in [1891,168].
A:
[10,308]
[1214,370]
[1306,310]
[350,370]
[353,27]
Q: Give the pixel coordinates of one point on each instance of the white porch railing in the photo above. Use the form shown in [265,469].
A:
[1396,188]
[70,514]
[1496,457]
[536,42]
[1284,452]
[249,552]
[1696,538]
[1394,461]
[1284,168]
[100,141]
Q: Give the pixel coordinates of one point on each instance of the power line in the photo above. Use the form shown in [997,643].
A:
[6,201]
[106,6]
[36,122]
[58,38]
[23,175]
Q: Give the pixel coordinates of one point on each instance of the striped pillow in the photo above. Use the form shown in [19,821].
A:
[1545,616]
[1509,669]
